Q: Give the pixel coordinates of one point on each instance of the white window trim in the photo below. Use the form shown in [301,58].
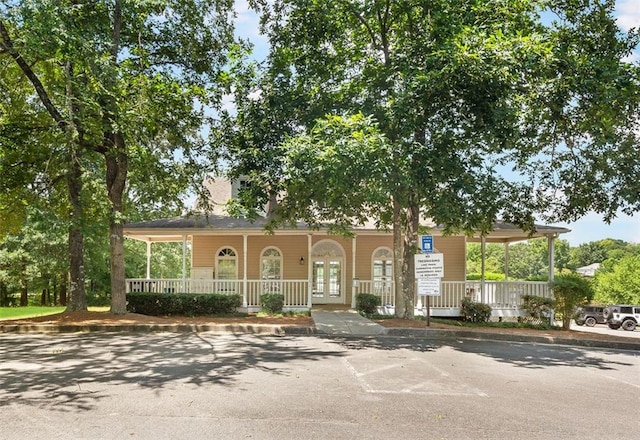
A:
[219,258]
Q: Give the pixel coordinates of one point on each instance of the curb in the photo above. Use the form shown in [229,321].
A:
[470,334]
[252,329]
[282,330]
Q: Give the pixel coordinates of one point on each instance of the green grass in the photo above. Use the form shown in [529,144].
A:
[28,312]
[33,311]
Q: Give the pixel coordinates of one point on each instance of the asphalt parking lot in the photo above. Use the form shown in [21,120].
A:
[207,385]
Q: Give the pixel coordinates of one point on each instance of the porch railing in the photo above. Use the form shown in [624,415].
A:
[294,291]
[498,294]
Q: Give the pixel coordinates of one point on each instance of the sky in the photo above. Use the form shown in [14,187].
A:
[589,228]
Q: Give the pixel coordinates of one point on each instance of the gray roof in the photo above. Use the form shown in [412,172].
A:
[173,229]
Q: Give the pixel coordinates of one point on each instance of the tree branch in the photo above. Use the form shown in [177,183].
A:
[33,78]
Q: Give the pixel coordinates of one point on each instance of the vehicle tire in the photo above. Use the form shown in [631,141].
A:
[607,313]
[629,325]
[614,326]
[579,322]
[590,321]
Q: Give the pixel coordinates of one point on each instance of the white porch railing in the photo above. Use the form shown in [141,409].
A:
[500,295]
[294,291]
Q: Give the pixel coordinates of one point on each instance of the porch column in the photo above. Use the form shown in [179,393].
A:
[148,260]
[354,287]
[184,264]
[309,269]
[483,248]
[551,243]
[506,262]
[244,271]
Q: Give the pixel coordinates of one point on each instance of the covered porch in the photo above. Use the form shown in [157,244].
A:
[316,268]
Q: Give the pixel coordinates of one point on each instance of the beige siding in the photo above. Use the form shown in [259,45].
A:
[454,250]
[295,246]
[206,247]
[291,249]
[365,247]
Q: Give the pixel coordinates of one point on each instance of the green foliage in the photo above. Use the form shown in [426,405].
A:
[187,304]
[570,291]
[619,282]
[537,308]
[272,303]
[474,311]
[367,303]
[489,276]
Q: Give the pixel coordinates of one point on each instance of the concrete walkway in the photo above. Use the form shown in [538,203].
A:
[345,322]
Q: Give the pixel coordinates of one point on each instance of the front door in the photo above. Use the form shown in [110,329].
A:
[327,264]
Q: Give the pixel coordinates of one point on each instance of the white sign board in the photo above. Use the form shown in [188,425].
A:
[429,265]
[429,286]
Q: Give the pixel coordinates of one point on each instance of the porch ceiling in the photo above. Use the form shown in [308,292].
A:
[176,228]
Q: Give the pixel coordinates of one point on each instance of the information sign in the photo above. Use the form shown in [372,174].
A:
[429,265]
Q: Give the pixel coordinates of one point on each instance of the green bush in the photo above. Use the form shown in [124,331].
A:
[570,291]
[367,303]
[272,303]
[187,304]
[537,308]
[474,311]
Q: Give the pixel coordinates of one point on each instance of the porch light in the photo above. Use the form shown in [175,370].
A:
[301,261]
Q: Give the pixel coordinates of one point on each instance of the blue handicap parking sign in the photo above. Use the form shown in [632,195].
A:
[426,243]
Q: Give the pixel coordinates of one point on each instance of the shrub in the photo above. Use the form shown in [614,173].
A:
[474,311]
[367,303]
[570,291]
[537,308]
[272,303]
[189,304]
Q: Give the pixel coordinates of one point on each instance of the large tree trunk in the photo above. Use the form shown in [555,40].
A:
[398,258]
[117,163]
[409,250]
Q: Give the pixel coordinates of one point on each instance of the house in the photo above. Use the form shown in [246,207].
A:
[589,270]
[310,267]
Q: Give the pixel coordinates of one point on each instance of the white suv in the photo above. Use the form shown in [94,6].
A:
[623,316]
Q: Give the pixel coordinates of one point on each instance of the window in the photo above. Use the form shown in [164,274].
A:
[226,264]
[382,265]
[271,270]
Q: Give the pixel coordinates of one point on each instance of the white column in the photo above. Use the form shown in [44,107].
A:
[551,249]
[506,262]
[244,271]
[309,269]
[184,264]
[354,289]
[483,248]
[148,260]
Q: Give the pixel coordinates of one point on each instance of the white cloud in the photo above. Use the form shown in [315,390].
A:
[628,12]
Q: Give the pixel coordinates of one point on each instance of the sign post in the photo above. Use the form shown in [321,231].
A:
[429,268]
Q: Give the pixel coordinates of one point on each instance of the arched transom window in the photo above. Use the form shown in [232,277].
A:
[271,264]
[271,270]
[227,264]
[382,264]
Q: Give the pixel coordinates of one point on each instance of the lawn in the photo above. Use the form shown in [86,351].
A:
[32,311]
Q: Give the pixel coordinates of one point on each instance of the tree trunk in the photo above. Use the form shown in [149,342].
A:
[4,295]
[409,250]
[398,258]
[62,289]
[117,163]
[77,300]
[24,292]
